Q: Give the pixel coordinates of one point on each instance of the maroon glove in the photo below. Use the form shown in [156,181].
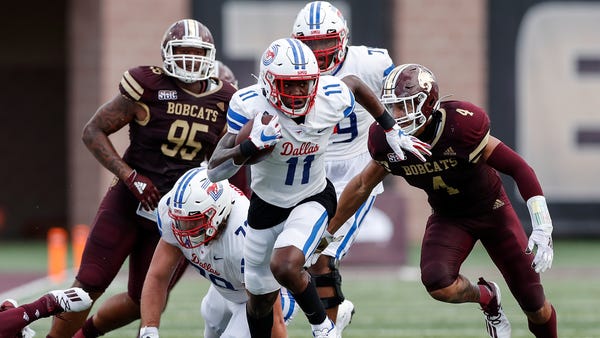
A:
[143,189]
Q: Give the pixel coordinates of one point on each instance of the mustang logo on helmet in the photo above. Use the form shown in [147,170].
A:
[270,55]
[214,190]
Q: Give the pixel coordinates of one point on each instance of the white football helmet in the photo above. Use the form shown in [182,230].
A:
[289,60]
[411,95]
[188,67]
[199,207]
[323,28]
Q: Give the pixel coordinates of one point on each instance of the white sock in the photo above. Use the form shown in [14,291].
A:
[326,324]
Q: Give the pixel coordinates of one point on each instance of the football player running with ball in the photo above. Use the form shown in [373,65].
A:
[322,27]
[176,114]
[469,203]
[291,200]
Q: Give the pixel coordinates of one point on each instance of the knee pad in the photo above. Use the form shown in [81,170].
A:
[257,269]
[333,279]
[259,280]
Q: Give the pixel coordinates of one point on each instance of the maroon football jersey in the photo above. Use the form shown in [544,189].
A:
[182,128]
[456,180]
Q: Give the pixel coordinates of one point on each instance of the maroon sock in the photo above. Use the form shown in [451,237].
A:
[45,306]
[13,321]
[546,330]
[88,330]
[485,295]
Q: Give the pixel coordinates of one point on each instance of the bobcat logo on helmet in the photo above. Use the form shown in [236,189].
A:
[426,80]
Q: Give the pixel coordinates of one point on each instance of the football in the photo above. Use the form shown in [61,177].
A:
[245,133]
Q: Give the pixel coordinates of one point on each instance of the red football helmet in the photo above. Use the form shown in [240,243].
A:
[199,207]
[322,27]
[188,67]
[411,95]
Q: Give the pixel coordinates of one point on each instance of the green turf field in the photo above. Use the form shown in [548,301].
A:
[390,302]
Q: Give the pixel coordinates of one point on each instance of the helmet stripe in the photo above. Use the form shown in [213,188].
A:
[298,51]
[315,15]
[318,13]
[390,81]
[191,28]
[186,27]
[183,183]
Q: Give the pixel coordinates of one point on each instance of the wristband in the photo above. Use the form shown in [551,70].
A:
[538,210]
[247,148]
[386,121]
[131,177]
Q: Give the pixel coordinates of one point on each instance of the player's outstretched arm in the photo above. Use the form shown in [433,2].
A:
[364,95]
[154,292]
[502,158]
[356,193]
[222,163]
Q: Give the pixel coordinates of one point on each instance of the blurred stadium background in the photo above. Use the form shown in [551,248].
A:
[533,64]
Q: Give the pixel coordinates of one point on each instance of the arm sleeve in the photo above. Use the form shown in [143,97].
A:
[508,162]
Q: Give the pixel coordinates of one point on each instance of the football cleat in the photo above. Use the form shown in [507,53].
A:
[69,300]
[26,332]
[496,322]
[344,316]
[8,304]
[329,331]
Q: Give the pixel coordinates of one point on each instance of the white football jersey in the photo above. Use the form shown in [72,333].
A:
[370,65]
[295,169]
[220,260]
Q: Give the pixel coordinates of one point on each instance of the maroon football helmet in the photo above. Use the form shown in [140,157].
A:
[410,94]
[189,66]
[223,72]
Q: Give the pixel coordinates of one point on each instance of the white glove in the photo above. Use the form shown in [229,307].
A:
[323,244]
[325,240]
[398,140]
[149,332]
[541,236]
[265,136]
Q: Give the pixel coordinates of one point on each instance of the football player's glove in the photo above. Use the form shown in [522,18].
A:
[541,236]
[149,332]
[323,243]
[325,240]
[265,135]
[143,189]
[398,140]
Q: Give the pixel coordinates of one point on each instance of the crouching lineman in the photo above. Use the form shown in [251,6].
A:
[205,222]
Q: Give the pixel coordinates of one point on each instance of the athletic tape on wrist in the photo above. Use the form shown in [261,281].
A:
[538,210]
